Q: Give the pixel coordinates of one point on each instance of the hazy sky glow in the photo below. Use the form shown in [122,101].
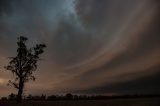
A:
[93,46]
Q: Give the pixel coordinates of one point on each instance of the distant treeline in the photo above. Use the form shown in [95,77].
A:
[70,96]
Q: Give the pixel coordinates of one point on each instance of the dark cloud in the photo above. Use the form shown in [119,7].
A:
[70,44]
[5,7]
[129,59]
[144,85]
[88,10]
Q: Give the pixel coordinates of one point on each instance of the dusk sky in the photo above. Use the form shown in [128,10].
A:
[93,46]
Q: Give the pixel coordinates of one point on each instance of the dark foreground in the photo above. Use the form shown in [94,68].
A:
[110,102]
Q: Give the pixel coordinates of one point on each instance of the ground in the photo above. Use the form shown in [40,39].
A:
[111,102]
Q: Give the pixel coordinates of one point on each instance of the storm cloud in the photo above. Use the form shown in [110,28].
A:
[93,46]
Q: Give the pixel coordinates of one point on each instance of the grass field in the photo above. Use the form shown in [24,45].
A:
[113,102]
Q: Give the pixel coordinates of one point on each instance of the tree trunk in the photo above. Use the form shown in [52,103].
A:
[20,91]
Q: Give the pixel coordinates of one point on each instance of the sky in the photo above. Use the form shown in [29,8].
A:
[93,46]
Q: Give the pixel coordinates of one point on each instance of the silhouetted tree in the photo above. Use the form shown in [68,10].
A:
[29,97]
[4,98]
[69,96]
[43,97]
[52,97]
[23,65]
[12,96]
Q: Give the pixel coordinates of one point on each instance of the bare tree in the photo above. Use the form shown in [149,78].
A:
[23,65]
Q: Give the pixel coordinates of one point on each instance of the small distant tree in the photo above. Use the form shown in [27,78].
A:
[12,96]
[24,64]
[29,97]
[43,97]
[69,96]
[4,98]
